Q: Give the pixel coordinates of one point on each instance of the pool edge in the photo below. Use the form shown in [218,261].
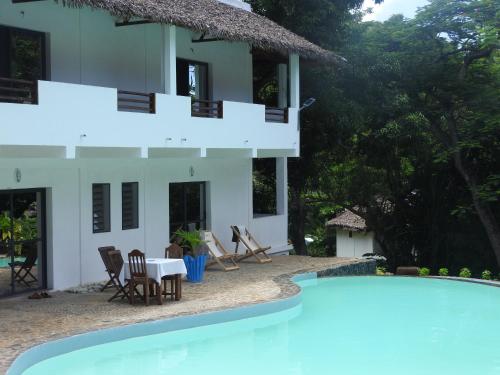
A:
[282,302]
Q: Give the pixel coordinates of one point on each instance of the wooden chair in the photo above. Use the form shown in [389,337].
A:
[174,251]
[218,253]
[252,247]
[139,276]
[23,275]
[103,251]
[115,268]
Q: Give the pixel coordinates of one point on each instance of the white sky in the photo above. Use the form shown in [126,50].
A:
[383,11]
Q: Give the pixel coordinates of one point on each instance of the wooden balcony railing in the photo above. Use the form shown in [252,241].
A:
[130,101]
[279,115]
[18,91]
[207,108]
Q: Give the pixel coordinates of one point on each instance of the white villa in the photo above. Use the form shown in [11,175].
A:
[124,120]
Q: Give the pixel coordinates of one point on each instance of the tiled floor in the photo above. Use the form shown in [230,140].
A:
[25,323]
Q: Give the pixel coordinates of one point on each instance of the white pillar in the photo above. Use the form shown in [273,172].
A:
[282,186]
[294,81]
[282,85]
[169,60]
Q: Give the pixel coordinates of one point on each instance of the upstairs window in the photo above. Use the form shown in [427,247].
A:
[192,79]
[101,220]
[264,187]
[130,205]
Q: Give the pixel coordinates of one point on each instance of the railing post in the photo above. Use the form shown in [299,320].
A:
[220,109]
[285,115]
[152,103]
[35,93]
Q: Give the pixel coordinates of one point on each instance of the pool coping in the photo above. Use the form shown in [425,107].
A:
[289,297]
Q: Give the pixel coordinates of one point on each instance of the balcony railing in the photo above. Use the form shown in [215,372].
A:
[131,101]
[207,108]
[18,91]
[279,115]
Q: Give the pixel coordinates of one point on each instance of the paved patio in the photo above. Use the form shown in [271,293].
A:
[25,323]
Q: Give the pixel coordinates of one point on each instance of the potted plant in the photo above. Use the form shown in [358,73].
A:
[196,257]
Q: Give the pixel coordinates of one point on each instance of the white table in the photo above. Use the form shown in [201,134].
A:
[159,267]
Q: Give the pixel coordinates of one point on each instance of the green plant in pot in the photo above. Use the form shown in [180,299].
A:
[196,257]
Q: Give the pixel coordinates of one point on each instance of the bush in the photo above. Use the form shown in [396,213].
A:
[424,271]
[380,271]
[486,275]
[465,272]
[443,272]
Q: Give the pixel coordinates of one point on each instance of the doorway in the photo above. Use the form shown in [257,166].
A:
[22,241]
[187,206]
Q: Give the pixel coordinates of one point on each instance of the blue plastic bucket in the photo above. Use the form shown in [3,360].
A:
[195,267]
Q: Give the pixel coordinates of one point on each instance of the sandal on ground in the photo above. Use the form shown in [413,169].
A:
[35,296]
[45,295]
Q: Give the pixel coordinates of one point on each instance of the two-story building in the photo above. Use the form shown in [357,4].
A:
[123,120]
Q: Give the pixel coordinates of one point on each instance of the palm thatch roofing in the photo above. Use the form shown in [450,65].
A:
[348,220]
[216,19]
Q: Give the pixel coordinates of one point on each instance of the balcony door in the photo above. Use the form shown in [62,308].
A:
[192,79]
[22,241]
[187,206]
[22,54]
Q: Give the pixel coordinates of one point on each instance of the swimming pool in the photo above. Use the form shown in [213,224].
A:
[346,325]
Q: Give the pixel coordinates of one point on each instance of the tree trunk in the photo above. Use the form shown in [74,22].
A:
[482,208]
[297,221]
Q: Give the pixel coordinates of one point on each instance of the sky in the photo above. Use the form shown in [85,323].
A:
[385,10]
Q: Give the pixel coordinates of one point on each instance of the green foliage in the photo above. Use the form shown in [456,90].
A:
[380,271]
[18,229]
[192,240]
[443,272]
[424,271]
[486,275]
[465,272]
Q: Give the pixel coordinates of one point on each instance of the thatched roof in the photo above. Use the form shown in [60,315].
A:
[348,220]
[213,18]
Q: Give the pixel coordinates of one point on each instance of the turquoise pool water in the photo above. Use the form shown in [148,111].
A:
[350,325]
[4,262]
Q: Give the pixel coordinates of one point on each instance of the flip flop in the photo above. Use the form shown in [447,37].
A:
[45,295]
[35,296]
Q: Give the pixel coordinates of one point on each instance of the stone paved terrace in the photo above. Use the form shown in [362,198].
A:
[25,323]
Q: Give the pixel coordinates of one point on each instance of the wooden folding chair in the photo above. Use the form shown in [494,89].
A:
[115,268]
[103,251]
[23,275]
[219,255]
[252,247]
[174,251]
[139,276]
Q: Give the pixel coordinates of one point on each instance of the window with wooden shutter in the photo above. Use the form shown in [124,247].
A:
[130,205]
[101,221]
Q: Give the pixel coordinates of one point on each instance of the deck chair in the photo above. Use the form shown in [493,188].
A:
[23,274]
[218,253]
[252,247]
[103,251]
[139,276]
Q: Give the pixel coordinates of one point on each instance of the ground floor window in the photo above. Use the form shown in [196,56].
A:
[101,208]
[264,187]
[130,205]
[22,241]
[187,202]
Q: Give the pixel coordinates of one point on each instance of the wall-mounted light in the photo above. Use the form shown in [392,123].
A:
[191,171]
[18,175]
[183,139]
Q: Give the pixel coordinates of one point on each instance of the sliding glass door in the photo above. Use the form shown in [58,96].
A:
[22,241]
[187,206]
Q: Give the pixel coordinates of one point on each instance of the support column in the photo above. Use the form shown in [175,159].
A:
[169,60]
[282,85]
[282,186]
[294,81]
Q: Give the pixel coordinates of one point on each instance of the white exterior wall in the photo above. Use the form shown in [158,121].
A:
[72,246]
[354,247]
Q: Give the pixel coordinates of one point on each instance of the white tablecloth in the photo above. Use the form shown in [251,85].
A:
[157,268]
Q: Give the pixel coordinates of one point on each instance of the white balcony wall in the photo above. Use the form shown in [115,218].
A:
[80,116]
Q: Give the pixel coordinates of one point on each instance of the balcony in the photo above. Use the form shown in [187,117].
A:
[72,120]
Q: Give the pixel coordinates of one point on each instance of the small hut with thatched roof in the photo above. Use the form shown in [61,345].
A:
[352,237]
